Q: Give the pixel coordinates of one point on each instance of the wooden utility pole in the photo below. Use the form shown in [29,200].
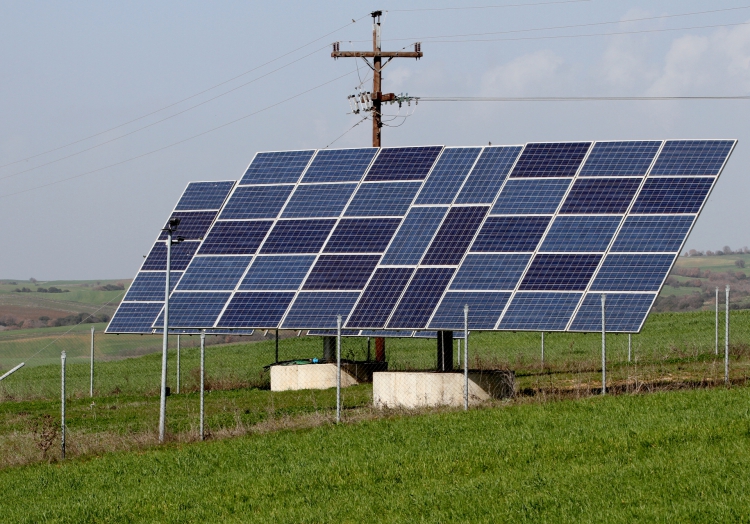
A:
[377,55]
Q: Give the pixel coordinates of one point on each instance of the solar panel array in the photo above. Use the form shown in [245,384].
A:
[398,240]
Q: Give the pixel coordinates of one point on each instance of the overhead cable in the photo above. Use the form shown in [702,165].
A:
[487,6]
[571,98]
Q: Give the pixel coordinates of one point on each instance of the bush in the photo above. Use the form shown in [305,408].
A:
[739,262]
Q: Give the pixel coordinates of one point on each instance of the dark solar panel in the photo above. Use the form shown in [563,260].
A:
[235,237]
[403,163]
[673,195]
[280,167]
[380,297]
[362,235]
[581,233]
[632,272]
[600,195]
[531,197]
[485,309]
[455,236]
[341,272]
[508,234]
[414,236]
[560,272]
[692,157]
[260,310]
[277,272]
[488,175]
[624,312]
[490,272]
[620,158]
[148,286]
[214,273]
[339,165]
[540,311]
[383,199]
[550,160]
[319,200]
[193,224]
[448,175]
[297,236]
[421,297]
[256,202]
[319,309]
[204,195]
[653,233]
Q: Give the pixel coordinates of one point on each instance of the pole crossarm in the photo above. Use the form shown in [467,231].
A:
[378,54]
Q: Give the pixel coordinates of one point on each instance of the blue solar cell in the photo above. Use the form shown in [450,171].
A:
[540,311]
[341,272]
[560,272]
[256,202]
[484,310]
[488,175]
[387,334]
[672,195]
[280,167]
[414,236]
[182,254]
[193,309]
[403,163]
[204,195]
[620,158]
[581,233]
[600,195]
[550,160]
[277,273]
[339,165]
[624,312]
[362,235]
[317,201]
[490,272]
[530,197]
[383,199]
[692,157]
[149,286]
[380,297]
[448,175]
[421,297]
[214,273]
[134,317]
[653,233]
[297,236]
[256,310]
[235,237]
[508,234]
[193,224]
[333,333]
[455,236]
[319,309]
[632,272]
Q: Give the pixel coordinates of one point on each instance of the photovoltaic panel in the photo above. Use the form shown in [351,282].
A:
[204,195]
[148,286]
[620,158]
[403,163]
[488,175]
[550,160]
[193,224]
[349,234]
[280,167]
[448,175]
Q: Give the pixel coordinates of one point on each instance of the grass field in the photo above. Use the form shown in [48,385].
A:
[677,457]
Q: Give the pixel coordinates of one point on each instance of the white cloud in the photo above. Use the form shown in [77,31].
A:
[523,75]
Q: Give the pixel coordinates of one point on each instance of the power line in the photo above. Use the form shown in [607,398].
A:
[345,132]
[485,6]
[570,98]
[184,99]
[306,91]
[549,28]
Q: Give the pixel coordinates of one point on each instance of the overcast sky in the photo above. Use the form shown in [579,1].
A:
[75,69]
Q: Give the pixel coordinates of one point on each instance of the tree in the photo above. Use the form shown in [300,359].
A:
[739,263]
[727,250]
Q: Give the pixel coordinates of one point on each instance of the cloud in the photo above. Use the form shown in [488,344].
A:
[523,75]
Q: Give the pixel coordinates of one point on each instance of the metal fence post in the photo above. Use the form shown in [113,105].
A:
[604,346]
[459,352]
[62,405]
[177,386]
[91,381]
[203,375]
[338,369]
[542,349]
[630,346]
[726,339]
[466,357]
[277,346]
[716,337]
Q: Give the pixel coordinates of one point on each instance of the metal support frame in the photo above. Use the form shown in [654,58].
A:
[466,357]
[726,339]
[630,346]
[203,381]
[165,341]
[542,349]
[716,335]
[338,369]
[91,378]
[62,404]
[277,346]
[604,346]
[177,385]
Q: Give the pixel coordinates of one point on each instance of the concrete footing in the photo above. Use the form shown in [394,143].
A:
[404,389]
[322,375]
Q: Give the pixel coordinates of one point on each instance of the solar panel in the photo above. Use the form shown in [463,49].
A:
[398,240]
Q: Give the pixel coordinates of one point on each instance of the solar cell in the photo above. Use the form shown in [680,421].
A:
[485,309]
[235,237]
[454,236]
[319,201]
[508,234]
[403,163]
[421,297]
[319,309]
[277,273]
[557,272]
[673,195]
[193,309]
[653,233]
[692,157]
[550,160]
[530,197]
[259,310]
[341,272]
[620,158]
[214,273]
[383,199]
[600,195]
[134,317]
[581,233]
[490,272]
[362,235]
[414,236]
[488,175]
[204,195]
[339,165]
[632,272]
[297,236]
[540,311]
[193,224]
[256,202]
[148,286]
[380,296]
[625,312]
[279,167]
[181,255]
[448,175]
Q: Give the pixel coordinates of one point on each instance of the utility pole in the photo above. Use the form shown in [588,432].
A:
[377,55]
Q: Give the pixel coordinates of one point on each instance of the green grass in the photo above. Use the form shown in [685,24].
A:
[676,457]
[79,291]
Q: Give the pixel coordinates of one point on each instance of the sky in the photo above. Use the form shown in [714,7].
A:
[110,108]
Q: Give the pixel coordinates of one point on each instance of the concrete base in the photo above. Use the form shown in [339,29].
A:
[401,389]
[322,376]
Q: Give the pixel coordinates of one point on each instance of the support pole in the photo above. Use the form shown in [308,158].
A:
[459,353]
[165,341]
[377,118]
[338,369]
[368,349]
[466,357]
[604,346]
[542,349]
[277,346]
[716,336]
[380,349]
[91,379]
[726,339]
[445,350]
[630,346]
[203,380]
[177,386]
[62,405]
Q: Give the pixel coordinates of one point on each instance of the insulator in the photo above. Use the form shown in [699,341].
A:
[418,47]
